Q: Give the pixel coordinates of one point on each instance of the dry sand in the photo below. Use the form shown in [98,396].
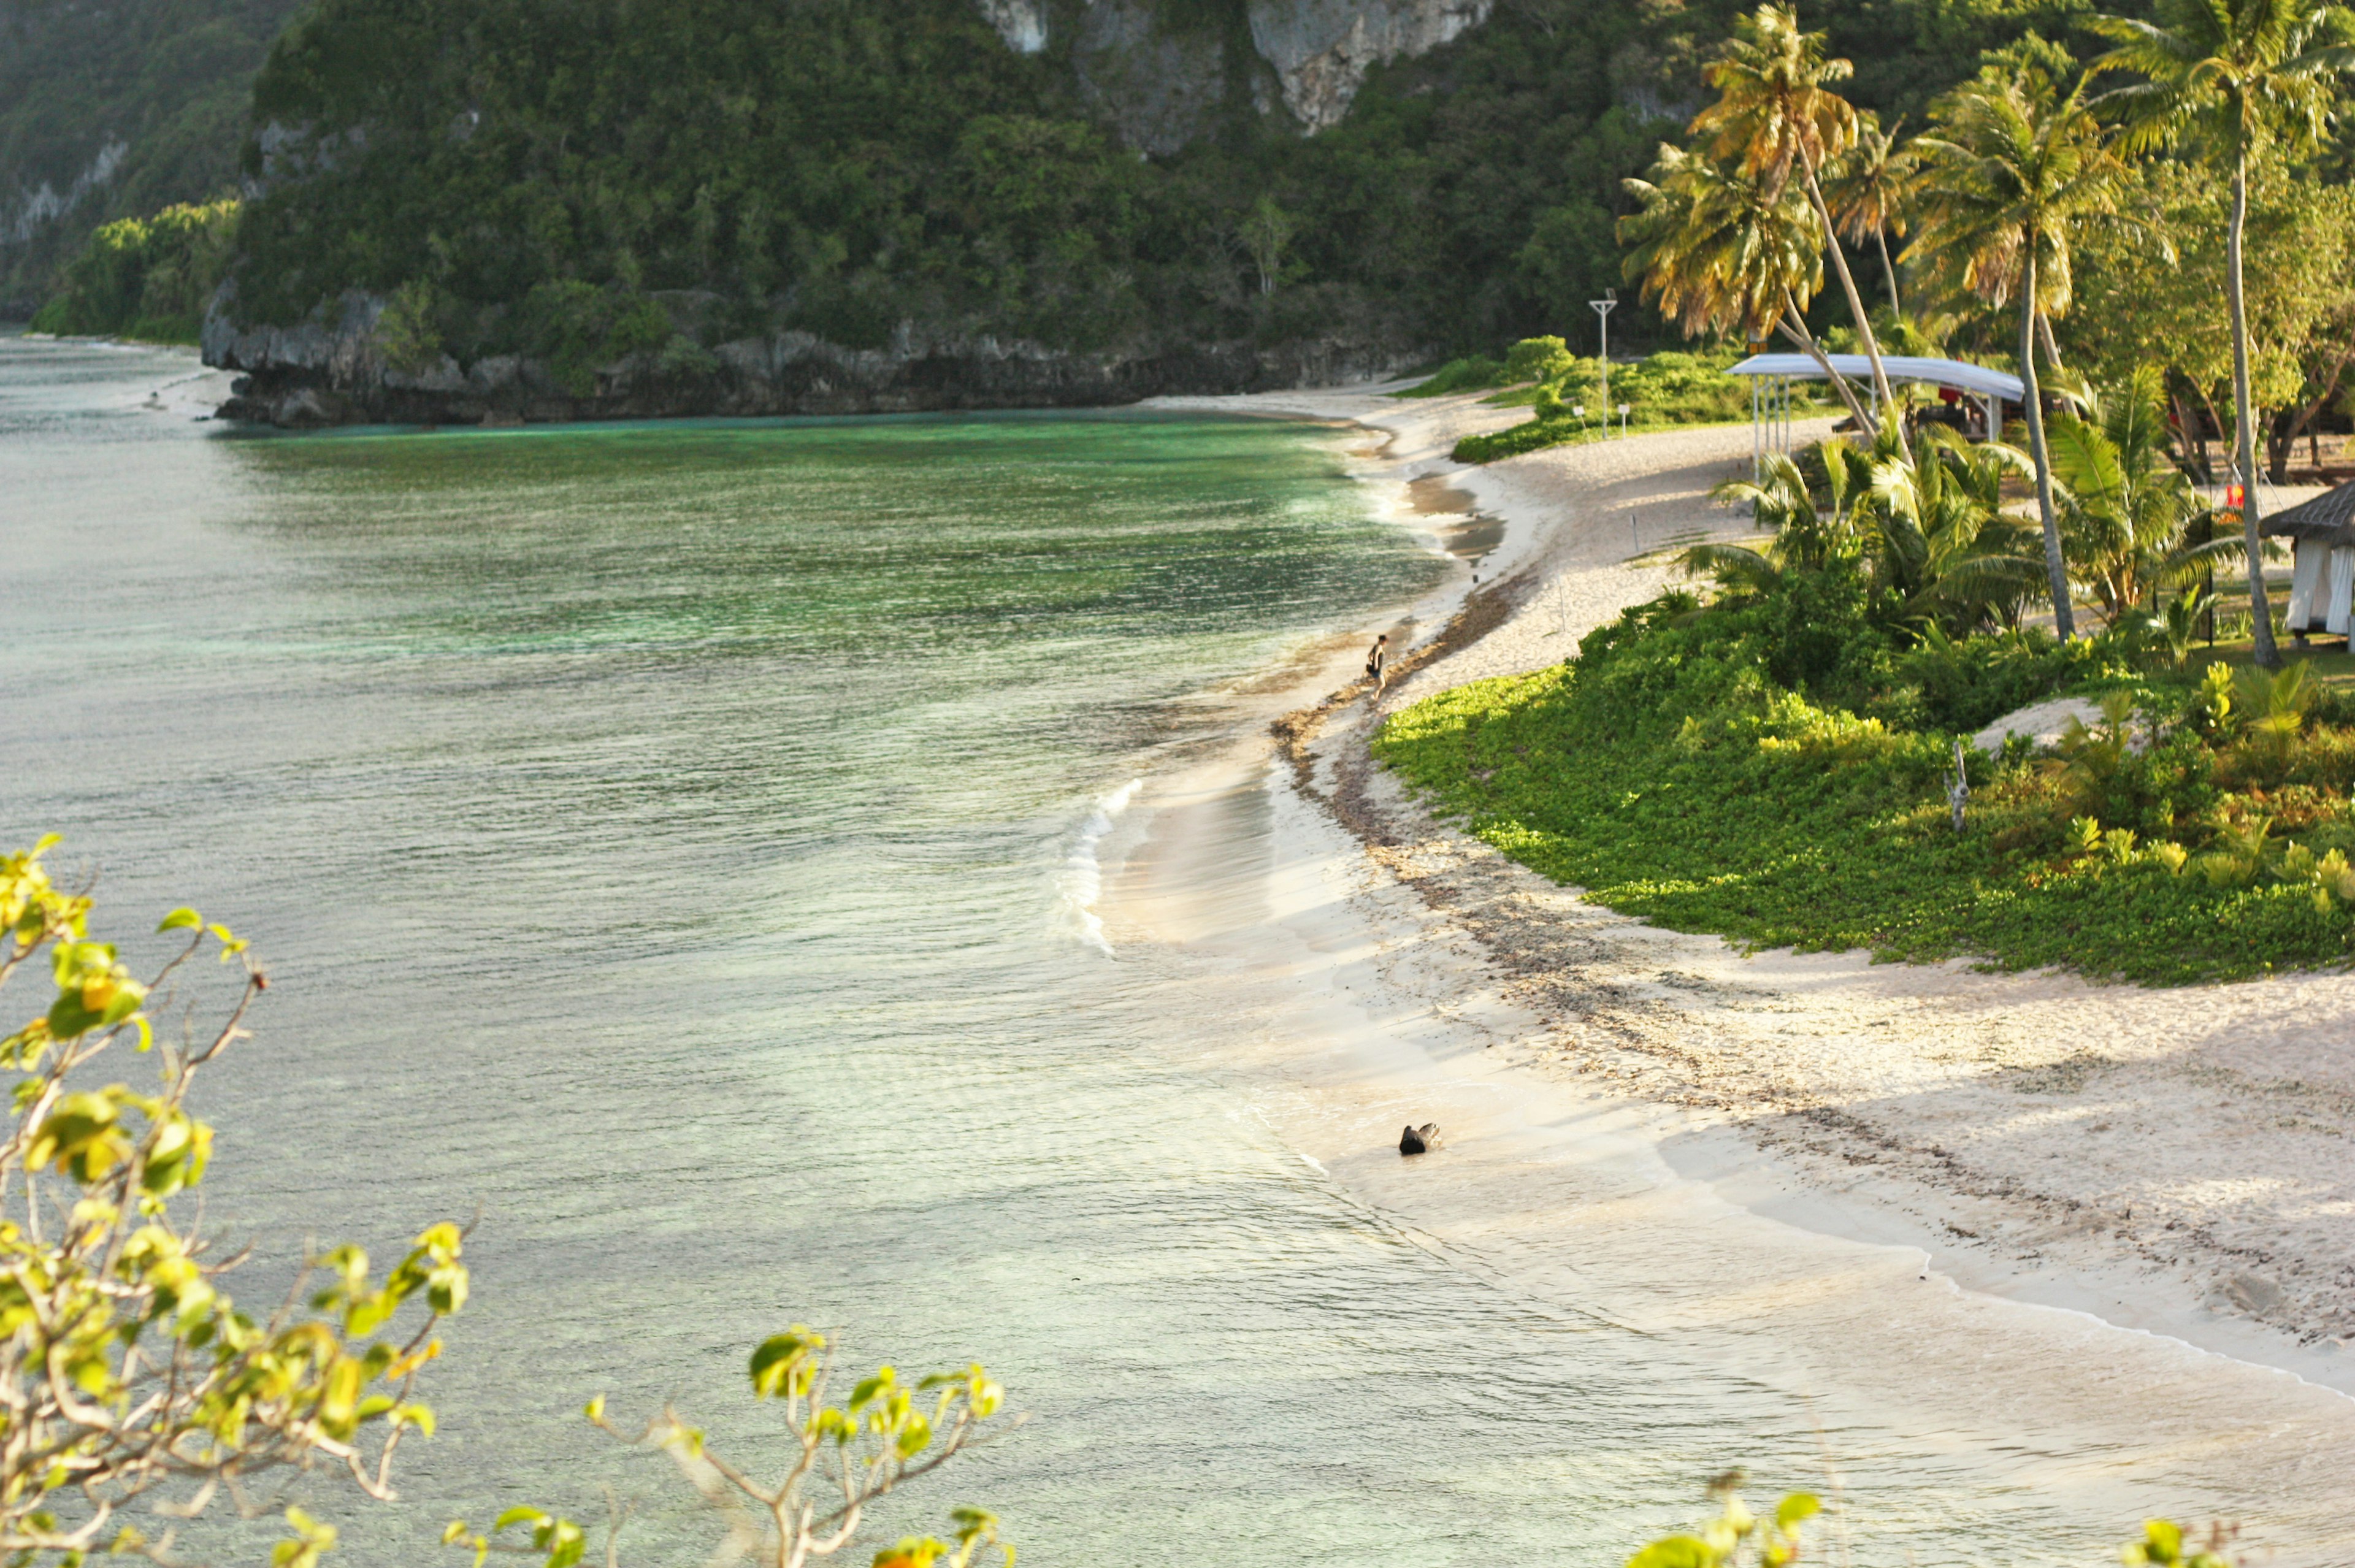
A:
[2178,1162]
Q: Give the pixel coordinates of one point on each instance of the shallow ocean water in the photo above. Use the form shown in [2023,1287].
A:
[670,842]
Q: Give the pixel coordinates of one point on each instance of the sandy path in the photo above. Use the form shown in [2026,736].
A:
[2179,1160]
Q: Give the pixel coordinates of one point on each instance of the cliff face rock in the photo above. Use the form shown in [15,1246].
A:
[1161,75]
[1321,49]
[1021,23]
[332,371]
[1161,86]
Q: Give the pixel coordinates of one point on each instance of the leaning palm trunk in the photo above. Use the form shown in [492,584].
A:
[1856,306]
[1794,327]
[2064,624]
[1888,269]
[2261,612]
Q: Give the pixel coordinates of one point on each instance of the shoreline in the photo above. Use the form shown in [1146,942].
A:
[1731,1089]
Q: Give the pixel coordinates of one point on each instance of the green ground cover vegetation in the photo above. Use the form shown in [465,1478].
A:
[1772,762]
[1565,395]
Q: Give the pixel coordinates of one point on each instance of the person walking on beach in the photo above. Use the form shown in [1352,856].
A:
[1377,663]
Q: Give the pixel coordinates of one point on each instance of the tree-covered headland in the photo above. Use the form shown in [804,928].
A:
[582,183]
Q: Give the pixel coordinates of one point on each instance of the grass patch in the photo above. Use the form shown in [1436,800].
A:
[1665,771]
[1472,374]
[1663,391]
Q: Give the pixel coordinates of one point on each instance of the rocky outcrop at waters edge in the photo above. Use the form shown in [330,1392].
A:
[333,371]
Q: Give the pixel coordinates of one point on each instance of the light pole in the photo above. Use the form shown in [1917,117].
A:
[1603,308]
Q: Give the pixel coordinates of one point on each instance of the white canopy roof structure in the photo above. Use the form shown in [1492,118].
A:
[1953,373]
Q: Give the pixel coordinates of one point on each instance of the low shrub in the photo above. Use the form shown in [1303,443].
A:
[1661,391]
[1694,767]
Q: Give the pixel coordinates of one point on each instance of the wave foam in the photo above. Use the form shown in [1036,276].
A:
[1081,880]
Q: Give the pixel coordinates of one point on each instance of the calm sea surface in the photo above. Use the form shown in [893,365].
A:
[663,842]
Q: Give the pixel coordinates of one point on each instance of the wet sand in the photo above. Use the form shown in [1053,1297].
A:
[2098,1235]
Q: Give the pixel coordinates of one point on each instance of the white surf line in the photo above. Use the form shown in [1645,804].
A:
[1081,880]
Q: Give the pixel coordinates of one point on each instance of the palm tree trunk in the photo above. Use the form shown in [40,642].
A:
[1856,311]
[2261,612]
[1888,270]
[2044,334]
[1795,326]
[2064,624]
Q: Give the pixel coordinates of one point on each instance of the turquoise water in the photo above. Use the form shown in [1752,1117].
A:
[660,839]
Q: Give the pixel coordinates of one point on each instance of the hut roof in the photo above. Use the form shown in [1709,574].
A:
[1901,368]
[2328,516]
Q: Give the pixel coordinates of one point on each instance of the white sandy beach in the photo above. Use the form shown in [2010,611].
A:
[2112,1225]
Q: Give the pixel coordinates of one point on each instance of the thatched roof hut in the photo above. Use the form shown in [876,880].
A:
[2322,589]
[2328,519]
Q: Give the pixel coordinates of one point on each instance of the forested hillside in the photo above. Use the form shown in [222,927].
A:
[522,177]
[113,108]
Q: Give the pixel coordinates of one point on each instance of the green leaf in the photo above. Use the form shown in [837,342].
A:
[565,1543]
[1676,1551]
[869,1387]
[776,1357]
[181,919]
[522,1513]
[2165,1539]
[1797,1508]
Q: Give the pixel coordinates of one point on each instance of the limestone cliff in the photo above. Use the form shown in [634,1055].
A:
[1160,75]
[332,371]
[1321,49]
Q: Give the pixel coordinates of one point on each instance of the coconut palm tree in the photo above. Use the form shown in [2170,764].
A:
[1776,114]
[1942,542]
[1870,191]
[1928,531]
[2011,166]
[1723,254]
[2241,80]
[2126,506]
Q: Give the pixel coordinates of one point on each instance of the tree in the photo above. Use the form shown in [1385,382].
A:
[2238,78]
[1265,230]
[1870,190]
[838,1461]
[2138,303]
[1943,545]
[1775,112]
[1721,253]
[1925,530]
[2126,506]
[129,1381]
[2010,167]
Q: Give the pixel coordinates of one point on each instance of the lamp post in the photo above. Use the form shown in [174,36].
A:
[1603,309]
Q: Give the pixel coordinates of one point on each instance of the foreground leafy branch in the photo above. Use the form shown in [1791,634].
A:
[838,1461]
[127,1375]
[1737,1537]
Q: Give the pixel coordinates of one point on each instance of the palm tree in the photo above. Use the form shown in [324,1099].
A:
[2126,506]
[1870,189]
[1721,253]
[2239,78]
[1943,543]
[2011,166]
[1929,532]
[1776,110]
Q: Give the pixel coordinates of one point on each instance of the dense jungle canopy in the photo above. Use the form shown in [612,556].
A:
[843,167]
